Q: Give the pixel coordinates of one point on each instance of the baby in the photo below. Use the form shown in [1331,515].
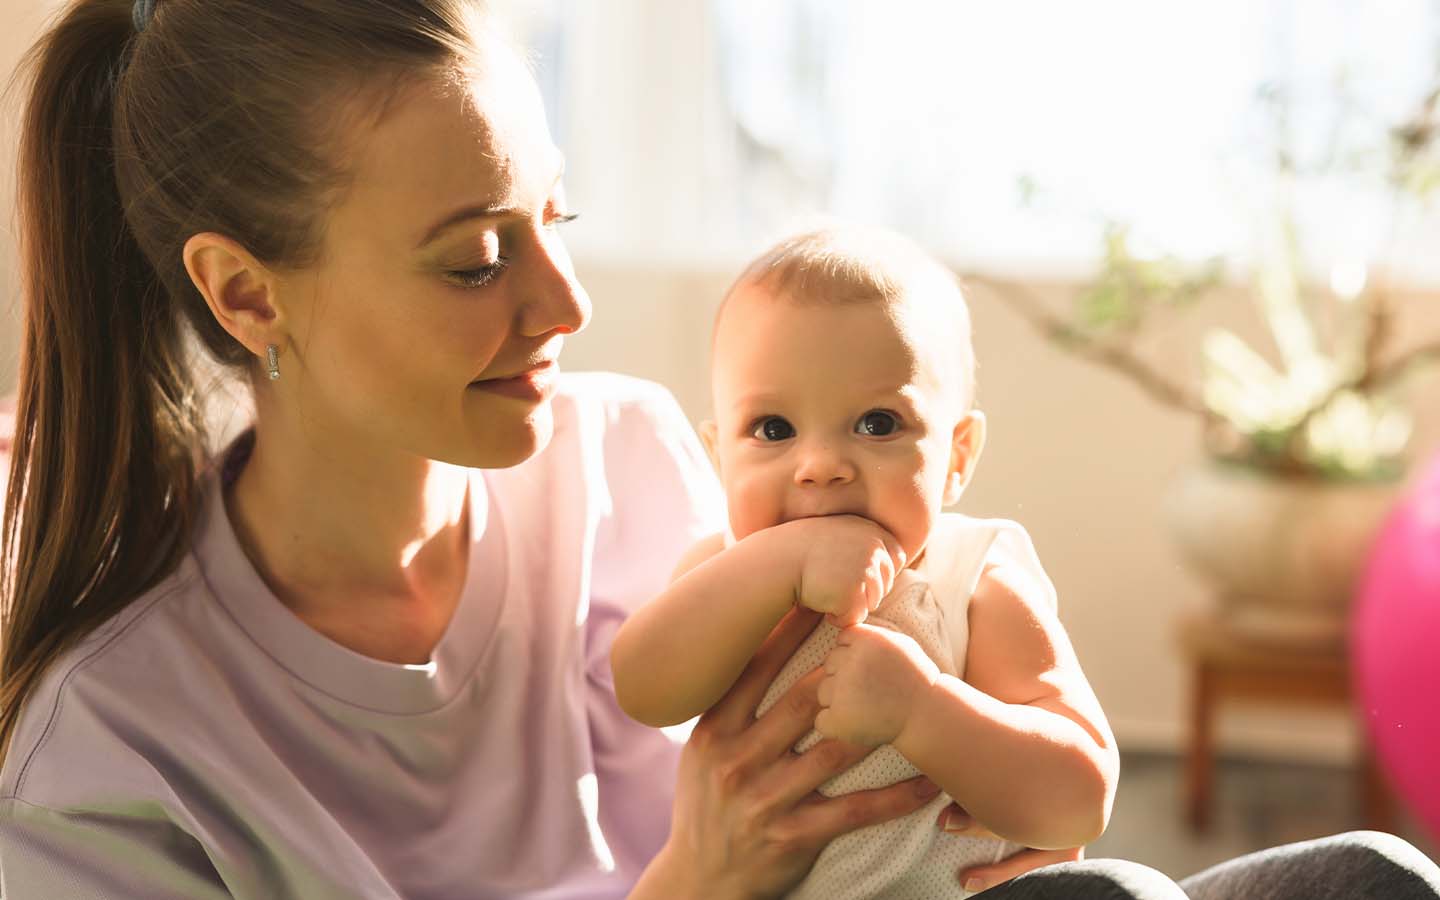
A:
[843,382]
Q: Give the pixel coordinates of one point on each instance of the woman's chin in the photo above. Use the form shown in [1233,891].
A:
[514,442]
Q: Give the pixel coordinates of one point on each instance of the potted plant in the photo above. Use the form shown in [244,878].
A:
[1303,454]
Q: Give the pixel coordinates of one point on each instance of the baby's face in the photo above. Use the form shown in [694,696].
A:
[830,409]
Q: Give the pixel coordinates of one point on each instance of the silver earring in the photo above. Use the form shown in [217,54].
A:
[272,361]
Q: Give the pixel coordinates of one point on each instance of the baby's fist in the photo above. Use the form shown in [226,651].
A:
[848,566]
[874,680]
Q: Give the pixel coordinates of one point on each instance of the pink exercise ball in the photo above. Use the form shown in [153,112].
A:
[1395,648]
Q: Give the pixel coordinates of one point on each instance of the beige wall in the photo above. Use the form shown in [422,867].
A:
[1076,454]
[20,22]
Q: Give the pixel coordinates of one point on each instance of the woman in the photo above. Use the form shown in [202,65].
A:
[361,651]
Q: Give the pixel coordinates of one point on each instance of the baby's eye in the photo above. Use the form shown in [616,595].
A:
[877,423]
[773,428]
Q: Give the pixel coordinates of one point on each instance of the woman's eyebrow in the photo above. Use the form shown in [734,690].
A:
[481,211]
[465,214]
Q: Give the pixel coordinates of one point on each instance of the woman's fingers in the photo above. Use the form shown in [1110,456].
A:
[791,718]
[978,878]
[796,779]
[954,819]
[821,819]
[736,709]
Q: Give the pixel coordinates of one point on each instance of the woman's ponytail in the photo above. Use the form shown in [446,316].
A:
[102,466]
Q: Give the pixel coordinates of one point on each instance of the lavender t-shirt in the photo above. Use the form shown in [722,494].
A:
[206,743]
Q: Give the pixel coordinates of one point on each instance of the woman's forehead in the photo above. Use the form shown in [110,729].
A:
[480,141]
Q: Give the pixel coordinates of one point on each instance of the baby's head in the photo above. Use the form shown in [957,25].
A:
[843,382]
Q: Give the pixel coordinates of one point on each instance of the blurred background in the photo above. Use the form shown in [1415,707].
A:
[1202,251]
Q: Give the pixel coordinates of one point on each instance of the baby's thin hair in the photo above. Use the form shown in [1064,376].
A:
[837,265]
[846,264]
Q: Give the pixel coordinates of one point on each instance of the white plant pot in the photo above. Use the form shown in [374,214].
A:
[1283,554]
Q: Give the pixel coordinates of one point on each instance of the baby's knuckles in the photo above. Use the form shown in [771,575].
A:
[844,565]
[877,687]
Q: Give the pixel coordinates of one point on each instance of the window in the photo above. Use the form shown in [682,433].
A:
[1002,135]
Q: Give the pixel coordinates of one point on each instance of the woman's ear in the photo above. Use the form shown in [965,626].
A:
[966,443]
[708,437]
[238,288]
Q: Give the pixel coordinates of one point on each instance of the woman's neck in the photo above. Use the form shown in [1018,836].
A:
[371,552]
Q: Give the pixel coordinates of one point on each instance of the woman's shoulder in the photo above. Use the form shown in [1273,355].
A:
[622,430]
[103,698]
[641,463]
[619,400]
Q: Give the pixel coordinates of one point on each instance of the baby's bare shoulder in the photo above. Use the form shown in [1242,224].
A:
[1019,651]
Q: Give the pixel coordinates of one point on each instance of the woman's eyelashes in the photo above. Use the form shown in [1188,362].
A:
[875,423]
[478,277]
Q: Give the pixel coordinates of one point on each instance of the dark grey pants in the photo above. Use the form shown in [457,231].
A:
[1359,865]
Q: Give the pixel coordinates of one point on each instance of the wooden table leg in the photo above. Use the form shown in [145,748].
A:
[1375,795]
[1201,764]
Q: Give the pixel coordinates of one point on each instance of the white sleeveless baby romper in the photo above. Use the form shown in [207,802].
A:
[910,857]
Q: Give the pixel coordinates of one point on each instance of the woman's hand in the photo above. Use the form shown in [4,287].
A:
[748,821]
[955,820]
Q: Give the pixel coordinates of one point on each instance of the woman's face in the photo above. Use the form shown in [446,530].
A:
[434,318]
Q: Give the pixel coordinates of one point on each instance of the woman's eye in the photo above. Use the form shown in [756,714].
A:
[562,220]
[478,277]
[773,428]
[877,423]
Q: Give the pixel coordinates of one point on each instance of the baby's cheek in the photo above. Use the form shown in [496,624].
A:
[754,506]
[910,514]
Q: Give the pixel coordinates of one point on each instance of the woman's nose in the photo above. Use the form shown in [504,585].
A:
[553,300]
[821,466]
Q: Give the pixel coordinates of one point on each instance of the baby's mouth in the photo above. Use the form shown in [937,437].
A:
[790,517]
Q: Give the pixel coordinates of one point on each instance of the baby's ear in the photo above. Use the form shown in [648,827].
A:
[966,443]
[708,437]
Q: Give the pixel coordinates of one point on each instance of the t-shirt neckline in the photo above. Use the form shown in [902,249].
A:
[323,664]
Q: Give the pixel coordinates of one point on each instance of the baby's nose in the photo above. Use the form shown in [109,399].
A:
[823,467]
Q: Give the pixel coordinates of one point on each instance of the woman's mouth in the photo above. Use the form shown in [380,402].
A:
[534,384]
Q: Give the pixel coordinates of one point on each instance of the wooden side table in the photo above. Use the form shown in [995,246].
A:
[1228,666]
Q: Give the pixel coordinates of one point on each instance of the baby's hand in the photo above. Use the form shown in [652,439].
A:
[848,564]
[874,678]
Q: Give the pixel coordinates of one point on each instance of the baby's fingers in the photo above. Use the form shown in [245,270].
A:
[827,692]
[894,552]
[854,607]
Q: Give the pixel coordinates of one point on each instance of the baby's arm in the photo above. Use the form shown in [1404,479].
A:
[1021,742]
[677,655]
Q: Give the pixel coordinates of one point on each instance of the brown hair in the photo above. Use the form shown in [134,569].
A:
[219,116]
